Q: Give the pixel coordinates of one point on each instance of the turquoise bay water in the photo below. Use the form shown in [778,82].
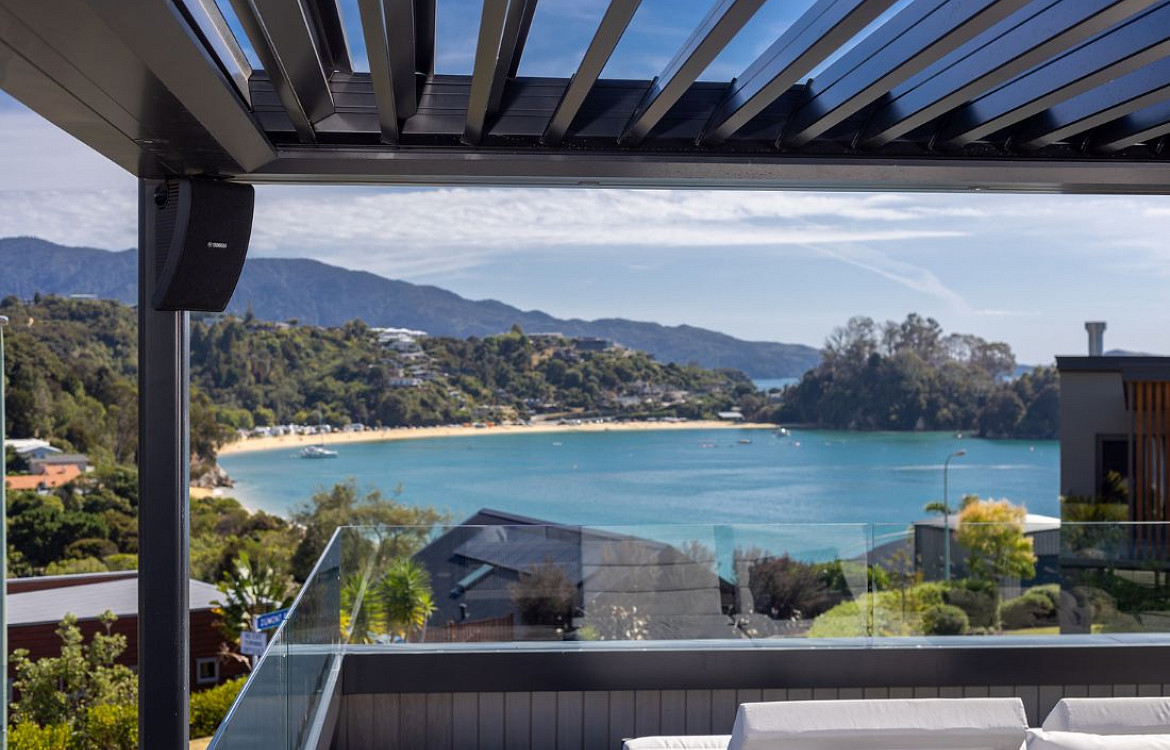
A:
[669,476]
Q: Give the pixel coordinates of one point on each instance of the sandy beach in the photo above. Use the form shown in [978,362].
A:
[417,433]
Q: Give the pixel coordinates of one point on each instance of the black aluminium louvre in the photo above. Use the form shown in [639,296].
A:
[1023,41]
[613,24]
[1112,101]
[281,36]
[1124,48]
[921,34]
[722,23]
[815,36]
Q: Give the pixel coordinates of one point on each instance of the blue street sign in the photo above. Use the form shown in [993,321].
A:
[271,619]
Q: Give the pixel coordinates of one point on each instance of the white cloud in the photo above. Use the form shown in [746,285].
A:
[470,226]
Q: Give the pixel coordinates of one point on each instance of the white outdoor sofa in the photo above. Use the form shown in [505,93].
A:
[935,724]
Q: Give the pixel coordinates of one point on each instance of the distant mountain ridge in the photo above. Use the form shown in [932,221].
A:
[320,294]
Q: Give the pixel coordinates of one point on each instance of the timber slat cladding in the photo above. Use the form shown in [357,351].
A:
[1149,444]
[600,720]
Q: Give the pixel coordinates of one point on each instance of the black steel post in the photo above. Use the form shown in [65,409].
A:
[163,476]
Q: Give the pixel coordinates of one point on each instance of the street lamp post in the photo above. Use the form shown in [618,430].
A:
[3,556]
[947,514]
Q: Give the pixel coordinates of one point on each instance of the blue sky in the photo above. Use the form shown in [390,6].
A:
[770,266]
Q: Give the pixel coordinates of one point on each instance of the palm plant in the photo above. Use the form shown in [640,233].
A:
[404,599]
[249,589]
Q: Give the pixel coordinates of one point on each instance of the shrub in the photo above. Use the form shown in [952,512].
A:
[73,567]
[210,707]
[111,727]
[979,606]
[1049,590]
[122,561]
[91,547]
[944,619]
[1033,609]
[27,735]
[925,595]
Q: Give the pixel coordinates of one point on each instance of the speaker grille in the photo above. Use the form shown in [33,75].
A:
[164,228]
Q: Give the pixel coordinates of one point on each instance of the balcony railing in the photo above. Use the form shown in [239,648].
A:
[528,610]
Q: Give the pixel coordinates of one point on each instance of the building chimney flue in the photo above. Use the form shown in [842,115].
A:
[1096,331]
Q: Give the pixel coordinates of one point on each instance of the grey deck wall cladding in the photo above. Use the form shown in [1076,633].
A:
[599,720]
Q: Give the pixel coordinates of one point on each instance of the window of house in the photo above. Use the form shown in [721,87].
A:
[1114,459]
[206,671]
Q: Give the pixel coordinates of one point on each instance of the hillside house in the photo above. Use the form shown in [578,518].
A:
[37,605]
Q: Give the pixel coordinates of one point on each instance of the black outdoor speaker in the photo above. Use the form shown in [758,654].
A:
[201,240]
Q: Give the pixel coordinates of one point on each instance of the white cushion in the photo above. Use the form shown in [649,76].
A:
[1042,739]
[1110,716]
[926,724]
[697,742]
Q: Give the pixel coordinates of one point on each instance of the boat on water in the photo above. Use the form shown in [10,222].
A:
[744,441]
[780,432]
[317,451]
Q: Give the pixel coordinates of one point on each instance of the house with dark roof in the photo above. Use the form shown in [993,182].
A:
[622,583]
[37,605]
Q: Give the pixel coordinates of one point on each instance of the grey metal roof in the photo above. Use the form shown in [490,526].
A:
[89,601]
[1158,368]
[1069,95]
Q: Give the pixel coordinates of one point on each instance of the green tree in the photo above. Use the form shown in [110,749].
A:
[62,689]
[993,532]
[401,529]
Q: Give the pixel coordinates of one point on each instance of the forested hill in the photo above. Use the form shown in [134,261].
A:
[72,378]
[311,292]
[911,375]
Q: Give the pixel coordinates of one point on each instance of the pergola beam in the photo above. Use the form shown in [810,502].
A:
[815,36]
[917,37]
[722,23]
[704,170]
[1121,50]
[1029,38]
[1120,97]
[108,58]
[609,32]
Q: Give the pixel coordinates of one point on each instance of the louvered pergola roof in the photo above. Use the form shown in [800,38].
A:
[1055,95]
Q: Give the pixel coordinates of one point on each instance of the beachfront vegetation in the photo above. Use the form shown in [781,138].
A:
[261,374]
[72,368]
[914,376]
